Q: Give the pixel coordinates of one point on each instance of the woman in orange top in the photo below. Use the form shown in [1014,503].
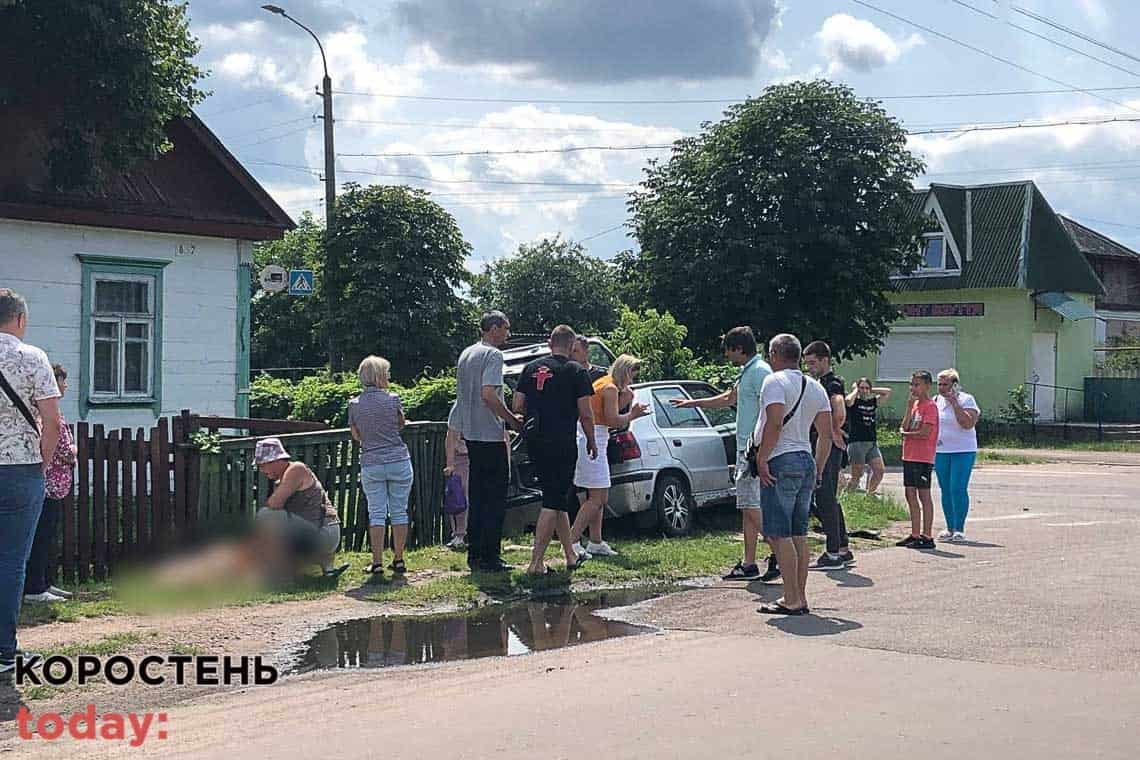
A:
[610,392]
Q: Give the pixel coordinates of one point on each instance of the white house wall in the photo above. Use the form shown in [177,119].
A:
[199,309]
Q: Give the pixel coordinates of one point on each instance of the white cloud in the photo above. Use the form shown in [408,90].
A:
[859,45]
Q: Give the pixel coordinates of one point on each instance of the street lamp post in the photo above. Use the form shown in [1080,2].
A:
[331,265]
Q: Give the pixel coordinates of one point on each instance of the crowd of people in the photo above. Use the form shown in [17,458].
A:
[795,433]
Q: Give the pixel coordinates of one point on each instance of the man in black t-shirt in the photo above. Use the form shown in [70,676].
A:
[838,556]
[554,395]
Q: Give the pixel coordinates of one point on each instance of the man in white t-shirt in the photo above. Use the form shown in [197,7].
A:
[790,404]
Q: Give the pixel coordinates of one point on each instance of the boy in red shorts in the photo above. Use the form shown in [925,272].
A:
[920,439]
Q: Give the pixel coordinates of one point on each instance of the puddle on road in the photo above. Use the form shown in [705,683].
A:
[503,630]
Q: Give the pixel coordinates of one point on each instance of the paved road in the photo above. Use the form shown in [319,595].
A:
[1023,643]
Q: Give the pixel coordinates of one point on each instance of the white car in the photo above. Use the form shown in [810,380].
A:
[673,460]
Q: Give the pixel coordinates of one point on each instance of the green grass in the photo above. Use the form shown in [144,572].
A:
[105,647]
[439,576]
[1000,457]
[1004,442]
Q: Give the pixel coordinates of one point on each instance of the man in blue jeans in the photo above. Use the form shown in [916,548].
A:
[790,405]
[29,433]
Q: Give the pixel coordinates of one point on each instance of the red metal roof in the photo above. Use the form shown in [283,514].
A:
[197,188]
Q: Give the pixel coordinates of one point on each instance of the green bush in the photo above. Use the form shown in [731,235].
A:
[657,339]
[324,398]
[717,374]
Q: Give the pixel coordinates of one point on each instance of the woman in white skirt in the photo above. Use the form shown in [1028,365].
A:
[611,393]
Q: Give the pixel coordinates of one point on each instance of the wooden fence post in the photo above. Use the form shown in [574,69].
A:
[83,511]
[142,495]
[112,535]
[99,503]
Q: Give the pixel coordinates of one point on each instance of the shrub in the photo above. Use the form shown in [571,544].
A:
[429,399]
[717,374]
[271,397]
[324,398]
[657,339]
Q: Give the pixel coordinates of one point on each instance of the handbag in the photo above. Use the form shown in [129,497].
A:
[754,445]
[613,450]
[454,500]
[18,402]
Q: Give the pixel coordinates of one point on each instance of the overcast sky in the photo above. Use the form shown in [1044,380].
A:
[512,59]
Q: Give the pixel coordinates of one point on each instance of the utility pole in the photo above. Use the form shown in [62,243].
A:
[332,265]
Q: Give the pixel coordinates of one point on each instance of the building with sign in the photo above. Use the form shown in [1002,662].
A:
[1003,294]
[139,286]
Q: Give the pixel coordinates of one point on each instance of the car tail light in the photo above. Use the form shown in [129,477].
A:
[628,444]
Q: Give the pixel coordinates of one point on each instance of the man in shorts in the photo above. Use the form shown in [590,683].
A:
[920,440]
[791,405]
[553,394]
[740,349]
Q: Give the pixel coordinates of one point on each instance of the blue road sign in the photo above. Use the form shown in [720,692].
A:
[300,282]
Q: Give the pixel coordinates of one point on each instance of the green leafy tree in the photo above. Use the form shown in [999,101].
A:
[657,339]
[110,73]
[288,331]
[789,215]
[401,261]
[548,283]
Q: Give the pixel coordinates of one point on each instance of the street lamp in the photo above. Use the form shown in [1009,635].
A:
[330,184]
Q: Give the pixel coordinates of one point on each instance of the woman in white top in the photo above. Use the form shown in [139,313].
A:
[958,415]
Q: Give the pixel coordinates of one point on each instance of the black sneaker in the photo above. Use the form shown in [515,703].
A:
[773,571]
[742,572]
[908,541]
[924,542]
[827,562]
[847,557]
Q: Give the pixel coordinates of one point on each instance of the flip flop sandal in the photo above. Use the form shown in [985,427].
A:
[374,569]
[575,565]
[546,570]
[775,608]
[398,567]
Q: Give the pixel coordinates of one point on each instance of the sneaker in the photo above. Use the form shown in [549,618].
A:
[908,541]
[583,555]
[742,572]
[456,544]
[600,549]
[924,542]
[46,596]
[958,537]
[773,571]
[847,557]
[32,659]
[946,535]
[827,562]
[59,592]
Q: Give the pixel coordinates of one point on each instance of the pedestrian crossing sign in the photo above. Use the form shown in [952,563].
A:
[300,282]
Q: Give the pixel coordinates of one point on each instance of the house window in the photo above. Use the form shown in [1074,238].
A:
[122,332]
[122,336]
[911,349]
[936,254]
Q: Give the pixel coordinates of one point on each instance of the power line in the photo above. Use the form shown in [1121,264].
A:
[606,231]
[528,183]
[1080,35]
[1050,40]
[997,127]
[508,127]
[271,126]
[242,107]
[274,138]
[987,53]
[519,152]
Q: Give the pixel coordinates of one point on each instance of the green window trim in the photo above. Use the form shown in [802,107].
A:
[245,277]
[118,265]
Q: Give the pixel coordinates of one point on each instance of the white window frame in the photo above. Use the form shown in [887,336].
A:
[941,270]
[952,331]
[123,319]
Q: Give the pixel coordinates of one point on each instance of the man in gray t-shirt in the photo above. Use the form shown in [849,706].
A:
[480,414]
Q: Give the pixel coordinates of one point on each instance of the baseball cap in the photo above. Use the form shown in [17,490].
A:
[269,450]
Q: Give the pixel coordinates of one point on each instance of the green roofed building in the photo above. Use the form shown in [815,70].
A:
[1003,295]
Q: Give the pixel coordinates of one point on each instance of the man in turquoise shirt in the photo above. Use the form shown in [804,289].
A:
[740,349]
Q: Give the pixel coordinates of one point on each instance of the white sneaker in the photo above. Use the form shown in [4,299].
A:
[46,596]
[946,535]
[959,537]
[600,549]
[582,553]
[59,592]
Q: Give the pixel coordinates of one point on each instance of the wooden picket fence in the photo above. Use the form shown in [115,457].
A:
[141,493]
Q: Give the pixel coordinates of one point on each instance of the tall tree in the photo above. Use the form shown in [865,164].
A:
[551,282]
[287,330]
[111,73]
[401,257]
[790,214]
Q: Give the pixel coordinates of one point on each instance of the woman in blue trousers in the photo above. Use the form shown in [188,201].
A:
[958,415]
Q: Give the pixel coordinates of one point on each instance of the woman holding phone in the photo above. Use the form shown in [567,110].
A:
[958,415]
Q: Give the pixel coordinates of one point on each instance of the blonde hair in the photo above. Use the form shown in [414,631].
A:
[374,371]
[622,370]
[950,373]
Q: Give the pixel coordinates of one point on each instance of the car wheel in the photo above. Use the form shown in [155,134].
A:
[674,506]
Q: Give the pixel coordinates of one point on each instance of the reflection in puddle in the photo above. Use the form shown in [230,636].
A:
[507,630]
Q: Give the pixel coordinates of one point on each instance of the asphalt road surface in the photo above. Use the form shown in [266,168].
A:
[1024,642]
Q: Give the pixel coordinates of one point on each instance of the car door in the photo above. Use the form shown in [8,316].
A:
[692,440]
[723,420]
